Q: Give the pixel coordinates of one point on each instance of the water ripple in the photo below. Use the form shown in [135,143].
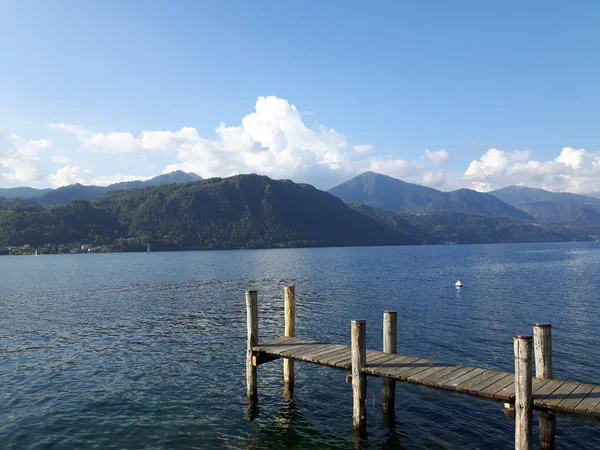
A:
[137,351]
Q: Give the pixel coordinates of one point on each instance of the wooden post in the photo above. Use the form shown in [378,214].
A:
[523,392]
[289,300]
[359,378]
[252,322]
[390,345]
[542,344]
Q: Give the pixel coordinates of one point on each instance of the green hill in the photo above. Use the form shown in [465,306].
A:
[251,211]
[245,211]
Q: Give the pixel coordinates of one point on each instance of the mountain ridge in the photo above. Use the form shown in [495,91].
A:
[244,211]
[547,206]
[382,191]
[78,191]
[253,211]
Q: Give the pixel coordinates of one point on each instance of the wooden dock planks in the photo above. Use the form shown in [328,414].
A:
[550,395]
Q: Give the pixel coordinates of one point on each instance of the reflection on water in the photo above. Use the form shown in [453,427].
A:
[147,351]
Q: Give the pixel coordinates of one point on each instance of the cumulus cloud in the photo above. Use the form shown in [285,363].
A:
[125,142]
[571,157]
[437,157]
[572,170]
[20,158]
[274,140]
[364,148]
[76,174]
[69,175]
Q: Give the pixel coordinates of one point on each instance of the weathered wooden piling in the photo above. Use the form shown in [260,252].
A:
[542,344]
[289,296]
[390,345]
[252,341]
[523,392]
[549,398]
[359,378]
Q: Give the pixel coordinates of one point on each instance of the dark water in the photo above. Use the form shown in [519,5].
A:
[147,351]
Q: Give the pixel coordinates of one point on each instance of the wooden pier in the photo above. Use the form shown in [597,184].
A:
[519,389]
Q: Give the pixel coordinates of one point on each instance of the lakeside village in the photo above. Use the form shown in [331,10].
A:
[120,245]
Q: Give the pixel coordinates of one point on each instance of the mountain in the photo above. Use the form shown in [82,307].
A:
[178,176]
[522,195]
[398,221]
[468,201]
[245,211]
[385,192]
[456,227]
[66,194]
[459,228]
[23,192]
[389,193]
[556,207]
[252,211]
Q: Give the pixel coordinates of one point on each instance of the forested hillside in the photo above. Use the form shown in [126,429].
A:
[247,211]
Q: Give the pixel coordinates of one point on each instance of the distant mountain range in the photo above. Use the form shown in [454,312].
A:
[72,192]
[180,211]
[456,227]
[513,202]
[22,192]
[558,207]
[389,193]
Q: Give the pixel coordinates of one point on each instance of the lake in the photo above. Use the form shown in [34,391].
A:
[148,351]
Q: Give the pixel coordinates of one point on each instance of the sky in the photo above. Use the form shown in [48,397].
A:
[446,94]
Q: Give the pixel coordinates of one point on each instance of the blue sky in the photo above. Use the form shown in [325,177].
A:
[497,93]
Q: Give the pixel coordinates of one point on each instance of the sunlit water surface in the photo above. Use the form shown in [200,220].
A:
[147,351]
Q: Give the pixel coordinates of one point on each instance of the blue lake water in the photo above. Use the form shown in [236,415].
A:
[148,351]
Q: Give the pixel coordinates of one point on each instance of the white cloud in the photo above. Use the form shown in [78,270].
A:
[274,140]
[494,162]
[364,148]
[125,142]
[571,157]
[398,168]
[572,170]
[21,158]
[105,180]
[112,142]
[76,174]
[436,179]
[77,130]
[60,159]
[437,157]
[69,175]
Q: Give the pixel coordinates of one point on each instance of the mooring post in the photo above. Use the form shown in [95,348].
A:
[289,300]
[252,322]
[359,378]
[542,345]
[390,345]
[523,392]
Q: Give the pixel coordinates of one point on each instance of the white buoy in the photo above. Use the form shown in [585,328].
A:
[458,284]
